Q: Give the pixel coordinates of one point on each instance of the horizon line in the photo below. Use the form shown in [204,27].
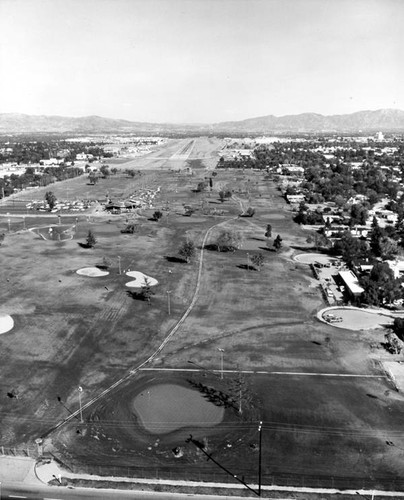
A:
[165,122]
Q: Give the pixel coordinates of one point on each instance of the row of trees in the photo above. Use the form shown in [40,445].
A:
[31,150]
[48,175]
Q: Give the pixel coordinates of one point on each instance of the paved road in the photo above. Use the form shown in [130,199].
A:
[60,493]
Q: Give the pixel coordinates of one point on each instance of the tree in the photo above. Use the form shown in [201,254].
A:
[248,213]
[91,239]
[277,243]
[380,286]
[359,214]
[318,239]
[393,344]
[228,240]
[222,196]
[93,178]
[130,229]
[398,327]
[146,291]
[105,171]
[106,263]
[268,231]
[388,248]
[158,214]
[50,199]
[376,235]
[257,260]
[201,186]
[351,249]
[187,250]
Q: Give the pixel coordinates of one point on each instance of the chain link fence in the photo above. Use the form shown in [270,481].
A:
[30,451]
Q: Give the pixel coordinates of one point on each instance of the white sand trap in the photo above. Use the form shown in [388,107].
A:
[93,272]
[6,323]
[140,279]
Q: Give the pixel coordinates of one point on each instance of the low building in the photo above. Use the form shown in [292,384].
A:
[351,283]
[295,199]
[397,266]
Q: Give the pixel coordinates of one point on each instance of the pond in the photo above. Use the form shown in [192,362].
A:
[166,408]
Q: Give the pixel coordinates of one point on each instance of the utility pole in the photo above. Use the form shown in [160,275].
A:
[169,302]
[221,361]
[259,458]
[80,389]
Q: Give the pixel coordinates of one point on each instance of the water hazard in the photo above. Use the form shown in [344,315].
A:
[166,408]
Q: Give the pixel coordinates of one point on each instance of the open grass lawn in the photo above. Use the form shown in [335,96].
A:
[328,410]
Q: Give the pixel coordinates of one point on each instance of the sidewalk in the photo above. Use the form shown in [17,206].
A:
[27,471]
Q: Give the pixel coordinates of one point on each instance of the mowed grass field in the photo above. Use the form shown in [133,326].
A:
[327,408]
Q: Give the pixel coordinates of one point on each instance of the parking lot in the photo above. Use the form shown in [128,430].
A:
[326,270]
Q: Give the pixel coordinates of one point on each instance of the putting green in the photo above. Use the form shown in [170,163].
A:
[6,323]
[165,408]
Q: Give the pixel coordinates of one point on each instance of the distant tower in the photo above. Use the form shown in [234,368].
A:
[379,137]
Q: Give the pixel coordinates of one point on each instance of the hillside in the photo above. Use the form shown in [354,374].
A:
[361,121]
[383,119]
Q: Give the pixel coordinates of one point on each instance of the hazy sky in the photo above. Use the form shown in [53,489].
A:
[200,60]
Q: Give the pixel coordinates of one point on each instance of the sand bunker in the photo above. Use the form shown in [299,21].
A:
[54,232]
[93,272]
[6,323]
[140,280]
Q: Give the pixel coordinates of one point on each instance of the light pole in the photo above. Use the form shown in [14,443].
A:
[80,389]
[259,458]
[221,361]
[119,264]
[169,302]
[248,261]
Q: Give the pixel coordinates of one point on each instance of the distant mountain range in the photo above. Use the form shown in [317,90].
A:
[384,120]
